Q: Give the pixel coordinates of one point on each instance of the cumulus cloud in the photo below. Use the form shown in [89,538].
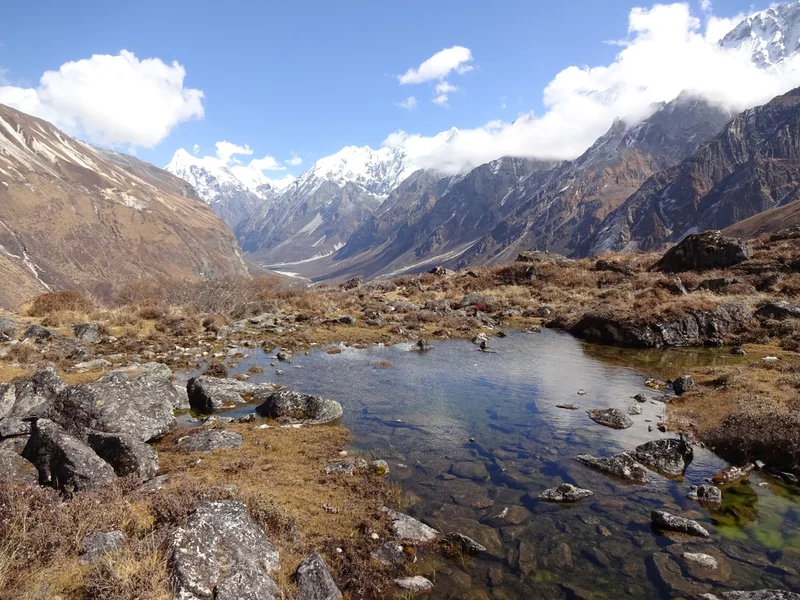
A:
[226,151]
[195,149]
[294,161]
[439,65]
[113,100]
[408,104]
[668,50]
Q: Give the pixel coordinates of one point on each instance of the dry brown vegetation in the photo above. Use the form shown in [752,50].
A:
[277,473]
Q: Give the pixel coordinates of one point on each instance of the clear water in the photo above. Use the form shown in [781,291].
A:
[421,413]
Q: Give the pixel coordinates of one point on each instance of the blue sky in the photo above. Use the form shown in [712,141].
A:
[310,77]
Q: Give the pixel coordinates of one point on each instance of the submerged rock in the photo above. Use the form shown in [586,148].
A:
[126,454]
[314,581]
[65,462]
[465,543]
[664,521]
[223,553]
[670,457]
[211,439]
[732,474]
[300,407]
[621,465]
[704,561]
[566,492]
[414,584]
[610,417]
[705,493]
[408,528]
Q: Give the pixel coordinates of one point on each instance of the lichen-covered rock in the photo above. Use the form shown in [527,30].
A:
[670,456]
[299,407]
[223,553]
[88,333]
[65,462]
[566,492]
[621,465]
[38,334]
[314,581]
[610,417]
[211,439]
[208,394]
[761,595]
[703,561]
[414,584]
[30,395]
[682,384]
[780,310]
[703,251]
[408,528]
[343,467]
[664,521]
[99,543]
[705,493]
[126,454]
[15,469]
[391,553]
[119,402]
[8,329]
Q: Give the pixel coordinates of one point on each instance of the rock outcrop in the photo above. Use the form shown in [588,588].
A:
[704,251]
[126,454]
[208,394]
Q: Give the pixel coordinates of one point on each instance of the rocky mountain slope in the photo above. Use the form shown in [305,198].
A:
[318,212]
[770,36]
[73,216]
[750,167]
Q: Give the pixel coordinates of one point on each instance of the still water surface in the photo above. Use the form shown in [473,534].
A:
[469,434]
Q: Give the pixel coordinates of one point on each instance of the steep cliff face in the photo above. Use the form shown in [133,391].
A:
[750,167]
[73,216]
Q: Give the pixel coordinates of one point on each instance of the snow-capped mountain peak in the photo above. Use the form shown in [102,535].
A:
[770,36]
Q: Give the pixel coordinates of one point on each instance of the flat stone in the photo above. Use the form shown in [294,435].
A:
[99,543]
[314,581]
[610,417]
[211,439]
[664,521]
[474,470]
[408,528]
[704,561]
[621,465]
[568,406]
[668,573]
[566,492]
[414,584]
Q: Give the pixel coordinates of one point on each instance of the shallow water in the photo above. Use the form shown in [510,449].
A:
[421,412]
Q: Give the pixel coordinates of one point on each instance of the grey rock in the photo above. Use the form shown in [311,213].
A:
[126,454]
[8,328]
[732,474]
[222,552]
[703,561]
[640,398]
[761,595]
[13,427]
[621,465]
[139,405]
[669,456]
[465,543]
[703,251]
[31,395]
[683,384]
[211,439]
[705,493]
[568,406]
[314,581]
[779,310]
[635,410]
[381,467]
[414,584]
[155,484]
[664,521]
[344,467]
[91,365]
[284,356]
[299,407]
[408,528]
[99,543]
[738,351]
[391,553]
[610,417]
[88,333]
[208,394]
[65,462]
[38,334]
[423,345]
[566,492]
[475,299]
[353,283]
[15,469]
[470,469]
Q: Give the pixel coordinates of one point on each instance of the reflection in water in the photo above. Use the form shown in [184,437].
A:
[471,434]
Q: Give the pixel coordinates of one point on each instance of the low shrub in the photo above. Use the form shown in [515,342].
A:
[61,301]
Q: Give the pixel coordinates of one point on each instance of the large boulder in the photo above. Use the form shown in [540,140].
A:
[621,466]
[126,454]
[704,251]
[610,417]
[15,469]
[314,581]
[64,461]
[30,395]
[222,552]
[670,456]
[663,521]
[119,402]
[779,310]
[208,394]
[299,407]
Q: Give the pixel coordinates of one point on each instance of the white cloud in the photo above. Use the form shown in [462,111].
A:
[268,163]
[195,149]
[226,151]
[705,6]
[439,66]
[441,99]
[113,100]
[667,52]
[443,90]
[294,161]
[408,104]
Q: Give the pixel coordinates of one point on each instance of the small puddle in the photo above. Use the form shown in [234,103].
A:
[469,434]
